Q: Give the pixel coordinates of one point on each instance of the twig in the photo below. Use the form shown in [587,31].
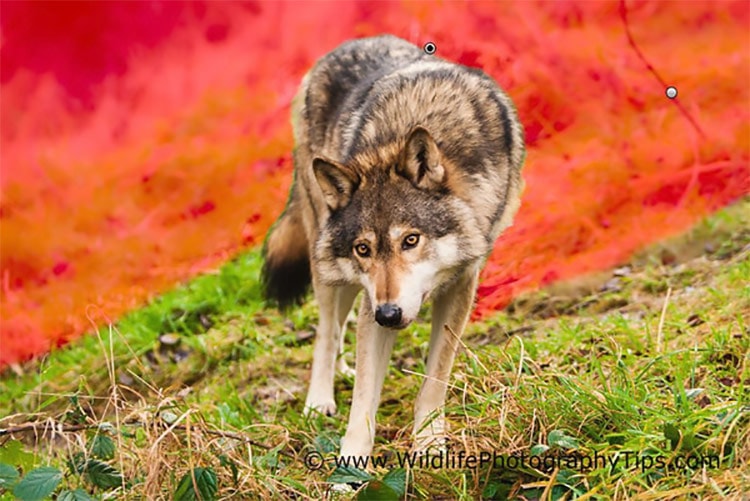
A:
[660,331]
[463,345]
[72,428]
[649,66]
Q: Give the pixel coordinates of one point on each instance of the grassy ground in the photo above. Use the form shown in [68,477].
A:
[646,367]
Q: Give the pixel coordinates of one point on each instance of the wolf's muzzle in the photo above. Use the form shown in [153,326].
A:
[388,315]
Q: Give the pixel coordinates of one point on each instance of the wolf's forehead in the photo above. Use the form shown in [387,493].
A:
[390,218]
[384,233]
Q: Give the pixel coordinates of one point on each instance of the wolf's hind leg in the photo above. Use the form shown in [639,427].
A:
[451,308]
[334,304]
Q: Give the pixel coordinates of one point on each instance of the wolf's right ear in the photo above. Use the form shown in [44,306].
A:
[337,182]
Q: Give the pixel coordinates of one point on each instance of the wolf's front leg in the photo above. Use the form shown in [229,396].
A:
[374,346]
[334,304]
[452,308]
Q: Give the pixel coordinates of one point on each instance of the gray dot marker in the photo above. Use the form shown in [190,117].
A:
[430,48]
[671,92]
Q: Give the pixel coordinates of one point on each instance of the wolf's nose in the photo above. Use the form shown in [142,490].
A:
[388,315]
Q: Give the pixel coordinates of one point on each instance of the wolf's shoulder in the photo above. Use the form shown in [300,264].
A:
[341,80]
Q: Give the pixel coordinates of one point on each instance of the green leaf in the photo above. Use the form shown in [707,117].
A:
[497,490]
[77,463]
[396,480]
[560,439]
[346,475]
[76,415]
[616,439]
[8,476]
[377,491]
[76,495]
[326,444]
[38,484]
[539,449]
[672,433]
[103,447]
[490,490]
[269,460]
[229,463]
[98,473]
[691,442]
[567,477]
[102,475]
[570,480]
[205,488]
[558,493]
[13,453]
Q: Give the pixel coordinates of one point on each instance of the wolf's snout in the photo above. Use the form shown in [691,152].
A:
[388,315]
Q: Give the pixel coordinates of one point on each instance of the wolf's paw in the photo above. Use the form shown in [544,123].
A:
[356,444]
[343,368]
[435,444]
[431,436]
[325,407]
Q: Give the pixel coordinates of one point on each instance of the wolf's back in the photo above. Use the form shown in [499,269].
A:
[341,81]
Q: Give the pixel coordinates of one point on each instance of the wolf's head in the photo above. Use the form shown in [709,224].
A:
[400,232]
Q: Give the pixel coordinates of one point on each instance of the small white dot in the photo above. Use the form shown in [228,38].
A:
[671,92]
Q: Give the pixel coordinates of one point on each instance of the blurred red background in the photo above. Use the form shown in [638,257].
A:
[145,142]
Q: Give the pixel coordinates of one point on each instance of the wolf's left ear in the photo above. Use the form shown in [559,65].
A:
[337,182]
[420,161]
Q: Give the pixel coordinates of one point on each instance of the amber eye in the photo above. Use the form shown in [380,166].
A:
[362,250]
[410,242]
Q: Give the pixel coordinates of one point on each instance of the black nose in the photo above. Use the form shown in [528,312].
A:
[388,315]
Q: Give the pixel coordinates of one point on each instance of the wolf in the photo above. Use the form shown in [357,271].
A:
[407,168]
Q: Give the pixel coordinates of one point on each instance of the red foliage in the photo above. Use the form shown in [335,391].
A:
[145,142]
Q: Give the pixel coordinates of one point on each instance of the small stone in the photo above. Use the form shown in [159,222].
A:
[261,320]
[612,285]
[304,335]
[170,339]
[668,257]
[694,320]
[622,271]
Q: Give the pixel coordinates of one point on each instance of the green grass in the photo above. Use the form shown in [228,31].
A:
[656,367]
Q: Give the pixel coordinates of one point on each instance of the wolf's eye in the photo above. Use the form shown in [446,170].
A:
[410,242]
[362,250]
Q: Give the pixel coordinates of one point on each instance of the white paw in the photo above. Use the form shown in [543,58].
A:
[357,444]
[431,436]
[435,444]
[343,368]
[327,407]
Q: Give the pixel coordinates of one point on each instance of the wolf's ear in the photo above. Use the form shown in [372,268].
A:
[420,161]
[337,182]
